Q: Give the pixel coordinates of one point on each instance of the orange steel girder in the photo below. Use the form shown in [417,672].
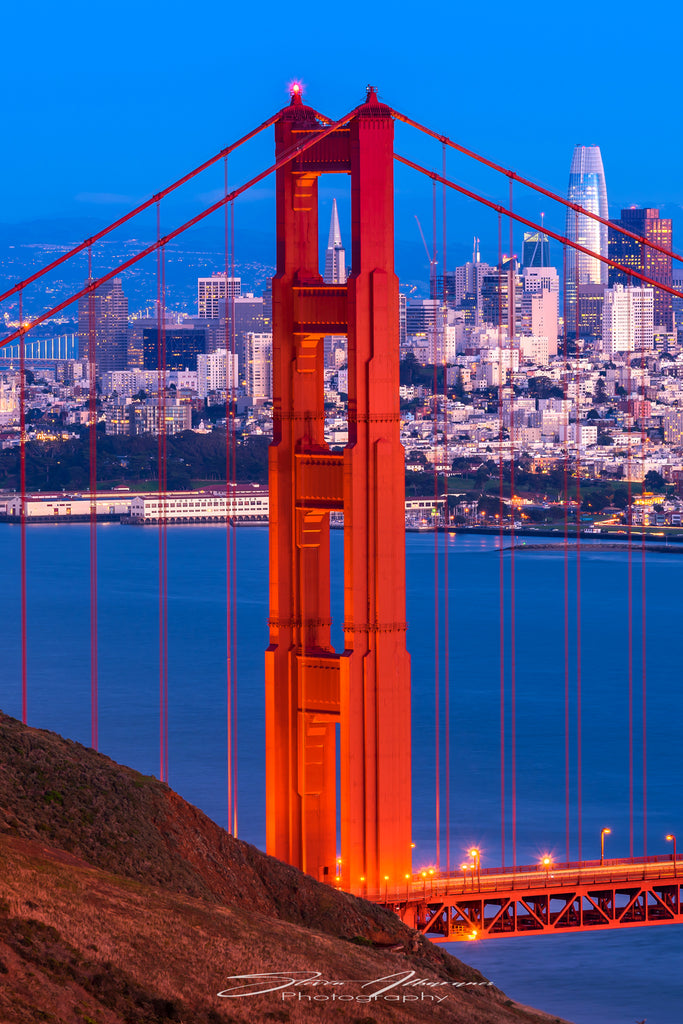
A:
[310,688]
[547,910]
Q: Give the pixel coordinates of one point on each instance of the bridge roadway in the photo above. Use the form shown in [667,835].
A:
[538,899]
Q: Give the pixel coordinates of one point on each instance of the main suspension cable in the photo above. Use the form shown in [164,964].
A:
[89,242]
[513,176]
[292,154]
[536,227]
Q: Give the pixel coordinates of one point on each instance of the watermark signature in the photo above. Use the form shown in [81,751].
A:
[402,987]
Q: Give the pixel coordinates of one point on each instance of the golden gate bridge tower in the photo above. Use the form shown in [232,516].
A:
[311,689]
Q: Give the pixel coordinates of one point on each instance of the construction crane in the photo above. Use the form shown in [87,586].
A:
[432,259]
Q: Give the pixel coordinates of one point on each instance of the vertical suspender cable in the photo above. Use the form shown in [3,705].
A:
[501,555]
[233,535]
[22,490]
[92,432]
[643,639]
[229,496]
[643,655]
[298,584]
[629,422]
[162,534]
[446,646]
[579,781]
[164,464]
[162,510]
[435,438]
[513,679]
[566,562]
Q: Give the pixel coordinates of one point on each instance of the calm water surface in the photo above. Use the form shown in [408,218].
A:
[608,978]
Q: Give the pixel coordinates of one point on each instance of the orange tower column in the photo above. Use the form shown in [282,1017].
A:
[309,687]
[375,691]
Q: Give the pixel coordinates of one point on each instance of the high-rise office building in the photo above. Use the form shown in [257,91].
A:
[259,359]
[210,291]
[501,292]
[587,188]
[335,255]
[182,345]
[468,280]
[335,351]
[444,288]
[627,319]
[136,330]
[539,317]
[402,318]
[268,307]
[538,279]
[591,302]
[632,254]
[250,316]
[145,417]
[539,304]
[421,315]
[103,315]
[535,249]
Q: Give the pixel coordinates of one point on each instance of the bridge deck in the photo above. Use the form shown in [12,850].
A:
[533,900]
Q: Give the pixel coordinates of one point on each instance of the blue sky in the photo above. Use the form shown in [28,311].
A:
[105,104]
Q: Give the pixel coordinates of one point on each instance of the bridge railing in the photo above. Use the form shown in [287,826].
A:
[492,880]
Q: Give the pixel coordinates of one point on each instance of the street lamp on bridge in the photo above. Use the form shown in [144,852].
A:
[605,832]
[476,856]
[672,839]
[546,862]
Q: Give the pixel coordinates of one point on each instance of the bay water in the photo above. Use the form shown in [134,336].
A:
[603,978]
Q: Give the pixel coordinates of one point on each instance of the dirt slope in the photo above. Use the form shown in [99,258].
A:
[119,902]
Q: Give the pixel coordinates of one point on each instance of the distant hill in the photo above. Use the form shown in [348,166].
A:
[120,902]
[21,245]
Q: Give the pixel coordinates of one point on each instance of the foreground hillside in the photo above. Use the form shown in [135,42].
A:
[119,902]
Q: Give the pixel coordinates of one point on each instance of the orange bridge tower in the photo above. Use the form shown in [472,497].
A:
[311,688]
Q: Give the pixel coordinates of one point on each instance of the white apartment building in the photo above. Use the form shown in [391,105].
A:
[583,434]
[211,290]
[496,366]
[627,319]
[259,353]
[216,371]
[534,348]
[441,345]
[539,315]
[537,279]
[128,382]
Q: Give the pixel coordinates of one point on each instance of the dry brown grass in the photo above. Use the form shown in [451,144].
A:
[120,903]
[86,943]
